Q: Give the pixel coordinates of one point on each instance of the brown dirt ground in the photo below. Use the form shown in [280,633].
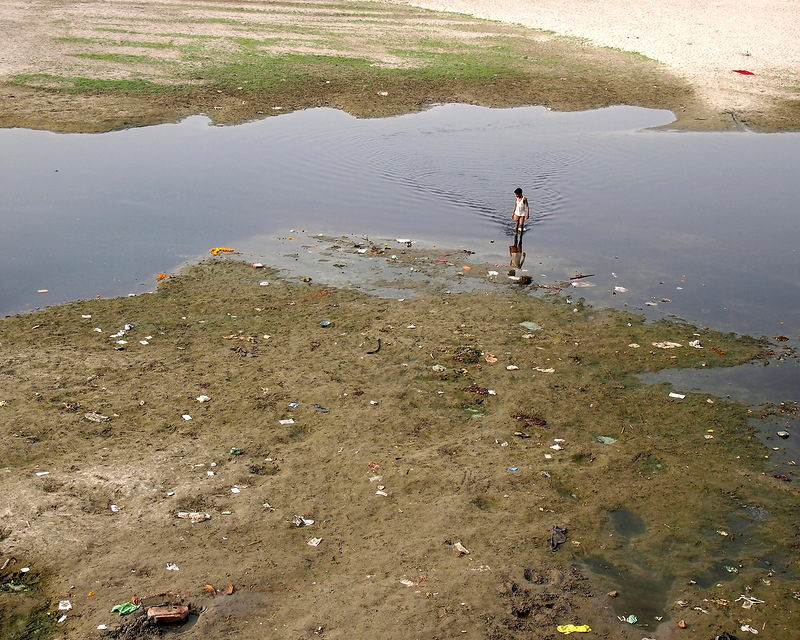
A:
[55,38]
[411,397]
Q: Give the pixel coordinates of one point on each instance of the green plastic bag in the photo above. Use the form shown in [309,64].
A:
[125,608]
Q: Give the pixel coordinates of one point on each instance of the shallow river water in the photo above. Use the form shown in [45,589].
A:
[708,221]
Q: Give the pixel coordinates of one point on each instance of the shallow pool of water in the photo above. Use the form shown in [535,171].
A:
[703,226]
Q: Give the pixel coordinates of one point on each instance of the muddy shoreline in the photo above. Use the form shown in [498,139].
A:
[400,427]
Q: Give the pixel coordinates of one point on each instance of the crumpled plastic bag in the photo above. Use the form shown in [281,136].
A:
[125,608]
[573,628]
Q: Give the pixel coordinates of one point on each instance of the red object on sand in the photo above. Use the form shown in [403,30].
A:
[744,72]
[172,614]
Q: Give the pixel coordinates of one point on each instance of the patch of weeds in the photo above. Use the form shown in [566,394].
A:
[113,30]
[77,40]
[125,58]
[88,85]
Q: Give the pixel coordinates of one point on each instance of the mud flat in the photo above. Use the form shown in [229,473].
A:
[436,439]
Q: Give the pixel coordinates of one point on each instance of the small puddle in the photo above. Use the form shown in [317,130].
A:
[643,589]
[183,628]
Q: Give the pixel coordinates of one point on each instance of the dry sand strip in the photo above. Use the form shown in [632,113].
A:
[702,42]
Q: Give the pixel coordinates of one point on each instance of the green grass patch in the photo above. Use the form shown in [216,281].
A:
[124,58]
[79,84]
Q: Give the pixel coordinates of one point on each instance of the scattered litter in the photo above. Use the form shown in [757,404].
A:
[748,601]
[438,367]
[186,416]
[321,409]
[381,492]
[747,627]
[512,367]
[584,284]
[287,421]
[491,359]
[194,516]
[42,473]
[64,605]
[408,583]
[667,345]
[605,439]
[237,488]
[696,344]
[620,290]
[513,468]
[300,521]
[115,508]
[101,627]
[731,569]
[680,396]
[86,316]
[96,417]
[530,326]
[556,447]
[41,291]
[376,478]
[744,72]
[783,434]
[374,465]
[127,607]
[543,370]
[631,619]
[493,273]
[217,250]
[171,566]
[573,628]
[62,618]
[461,550]
[557,537]
[236,452]
[258,265]
[325,323]
[203,398]
[314,542]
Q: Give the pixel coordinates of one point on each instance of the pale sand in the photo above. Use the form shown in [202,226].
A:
[702,41]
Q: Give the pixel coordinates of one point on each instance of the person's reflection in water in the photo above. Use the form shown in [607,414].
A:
[516,253]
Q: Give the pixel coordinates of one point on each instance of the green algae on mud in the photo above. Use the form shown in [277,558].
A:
[478,429]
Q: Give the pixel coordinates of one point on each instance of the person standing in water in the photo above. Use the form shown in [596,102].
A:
[521,211]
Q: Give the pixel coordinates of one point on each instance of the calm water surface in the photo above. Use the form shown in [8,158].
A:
[707,221]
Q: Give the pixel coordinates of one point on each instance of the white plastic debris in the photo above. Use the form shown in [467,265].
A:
[186,416]
[667,345]
[438,367]
[64,605]
[172,567]
[300,521]
[680,396]
[512,367]
[194,516]
[407,582]
[314,542]
[287,421]
[203,398]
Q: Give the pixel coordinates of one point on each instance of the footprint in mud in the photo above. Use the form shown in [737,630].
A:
[541,597]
